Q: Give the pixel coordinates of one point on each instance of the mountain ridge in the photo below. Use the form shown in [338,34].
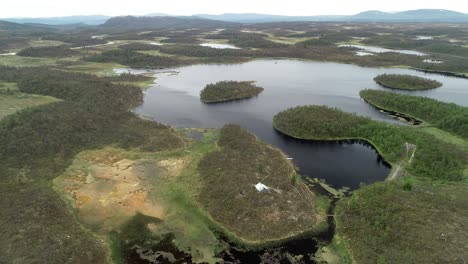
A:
[162,22]
[65,20]
[417,15]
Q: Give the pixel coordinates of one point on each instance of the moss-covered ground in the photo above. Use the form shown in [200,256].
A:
[12,101]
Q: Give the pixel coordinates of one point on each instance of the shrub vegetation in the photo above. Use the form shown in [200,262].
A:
[446,116]
[134,59]
[75,39]
[406,82]
[38,144]
[247,39]
[229,90]
[139,46]
[200,51]
[50,51]
[387,223]
[228,193]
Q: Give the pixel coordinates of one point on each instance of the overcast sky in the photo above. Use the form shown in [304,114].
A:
[48,8]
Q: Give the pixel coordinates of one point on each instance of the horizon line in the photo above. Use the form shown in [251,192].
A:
[225,13]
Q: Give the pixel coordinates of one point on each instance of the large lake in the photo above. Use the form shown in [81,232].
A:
[174,100]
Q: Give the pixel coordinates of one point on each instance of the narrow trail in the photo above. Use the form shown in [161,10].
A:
[179,137]
[409,147]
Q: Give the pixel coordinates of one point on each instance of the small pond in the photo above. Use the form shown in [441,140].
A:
[424,37]
[218,46]
[373,49]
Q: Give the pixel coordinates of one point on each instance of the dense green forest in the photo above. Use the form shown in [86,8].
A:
[446,116]
[434,159]
[406,82]
[229,90]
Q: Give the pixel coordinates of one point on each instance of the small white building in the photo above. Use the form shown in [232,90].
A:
[261,187]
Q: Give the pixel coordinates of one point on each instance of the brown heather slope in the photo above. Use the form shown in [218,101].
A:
[229,176]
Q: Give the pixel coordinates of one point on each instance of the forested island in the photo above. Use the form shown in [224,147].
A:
[228,91]
[406,82]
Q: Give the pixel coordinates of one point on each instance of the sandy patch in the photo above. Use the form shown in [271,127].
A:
[174,167]
[107,190]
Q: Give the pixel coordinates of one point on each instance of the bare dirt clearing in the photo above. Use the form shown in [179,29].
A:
[107,189]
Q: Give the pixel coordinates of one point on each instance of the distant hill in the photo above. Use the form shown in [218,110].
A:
[421,15]
[6,25]
[264,18]
[87,20]
[162,22]
[371,15]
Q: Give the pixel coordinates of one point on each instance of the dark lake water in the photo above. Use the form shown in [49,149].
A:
[174,100]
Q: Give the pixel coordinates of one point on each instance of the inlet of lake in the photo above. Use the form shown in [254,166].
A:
[174,100]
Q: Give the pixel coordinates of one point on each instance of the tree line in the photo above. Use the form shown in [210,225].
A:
[48,51]
[446,116]
[135,59]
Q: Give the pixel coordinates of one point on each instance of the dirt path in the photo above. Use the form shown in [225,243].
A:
[410,148]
